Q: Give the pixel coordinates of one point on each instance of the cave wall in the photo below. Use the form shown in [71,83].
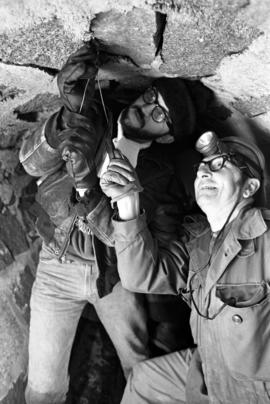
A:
[223,43]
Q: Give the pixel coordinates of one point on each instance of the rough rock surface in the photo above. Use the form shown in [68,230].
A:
[224,43]
[130,34]
[13,330]
[197,38]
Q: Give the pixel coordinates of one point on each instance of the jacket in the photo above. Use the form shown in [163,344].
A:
[161,198]
[230,287]
[57,213]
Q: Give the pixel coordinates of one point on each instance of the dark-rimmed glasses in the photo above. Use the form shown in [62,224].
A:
[218,162]
[158,113]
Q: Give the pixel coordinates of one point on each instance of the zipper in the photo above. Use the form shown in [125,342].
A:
[67,236]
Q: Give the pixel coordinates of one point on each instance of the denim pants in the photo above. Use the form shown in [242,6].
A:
[59,295]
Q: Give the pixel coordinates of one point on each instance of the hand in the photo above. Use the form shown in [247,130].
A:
[78,169]
[120,179]
[76,80]
[83,140]
[78,166]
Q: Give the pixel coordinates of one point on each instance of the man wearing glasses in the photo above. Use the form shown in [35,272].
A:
[220,266]
[77,261]
[152,132]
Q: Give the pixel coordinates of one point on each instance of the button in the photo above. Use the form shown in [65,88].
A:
[237,319]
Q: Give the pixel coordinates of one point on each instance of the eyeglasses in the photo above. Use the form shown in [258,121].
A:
[158,113]
[218,162]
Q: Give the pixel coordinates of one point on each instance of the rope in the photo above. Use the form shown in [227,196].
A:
[102,100]
[83,98]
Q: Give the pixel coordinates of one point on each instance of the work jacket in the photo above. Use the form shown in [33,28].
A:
[228,286]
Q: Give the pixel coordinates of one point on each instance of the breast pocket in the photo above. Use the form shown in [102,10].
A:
[244,330]
[242,295]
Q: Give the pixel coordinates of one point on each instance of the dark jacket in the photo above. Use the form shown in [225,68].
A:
[57,217]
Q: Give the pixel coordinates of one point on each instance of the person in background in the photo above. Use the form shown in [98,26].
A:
[220,265]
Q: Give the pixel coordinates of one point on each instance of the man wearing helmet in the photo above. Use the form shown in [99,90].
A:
[220,265]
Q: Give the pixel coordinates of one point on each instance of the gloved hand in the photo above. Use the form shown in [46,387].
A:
[78,148]
[56,127]
[76,80]
[79,135]
[120,179]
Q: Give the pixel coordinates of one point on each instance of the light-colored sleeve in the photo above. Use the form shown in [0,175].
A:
[144,264]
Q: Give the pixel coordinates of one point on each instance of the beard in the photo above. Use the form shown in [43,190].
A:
[133,122]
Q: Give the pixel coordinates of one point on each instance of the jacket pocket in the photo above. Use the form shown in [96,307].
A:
[244,332]
[242,295]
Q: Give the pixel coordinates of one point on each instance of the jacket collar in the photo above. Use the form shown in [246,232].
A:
[249,224]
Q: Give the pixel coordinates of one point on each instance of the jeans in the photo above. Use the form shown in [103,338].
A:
[59,295]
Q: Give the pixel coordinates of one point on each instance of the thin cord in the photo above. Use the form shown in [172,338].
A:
[221,232]
[102,100]
[84,94]
[108,143]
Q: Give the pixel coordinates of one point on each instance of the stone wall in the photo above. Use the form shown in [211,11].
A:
[223,43]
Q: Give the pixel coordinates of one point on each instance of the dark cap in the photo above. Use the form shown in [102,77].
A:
[181,109]
[253,157]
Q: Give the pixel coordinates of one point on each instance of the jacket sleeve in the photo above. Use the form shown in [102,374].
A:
[37,156]
[144,264]
[98,213]
[76,79]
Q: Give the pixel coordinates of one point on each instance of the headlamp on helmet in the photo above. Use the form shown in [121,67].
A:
[243,154]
